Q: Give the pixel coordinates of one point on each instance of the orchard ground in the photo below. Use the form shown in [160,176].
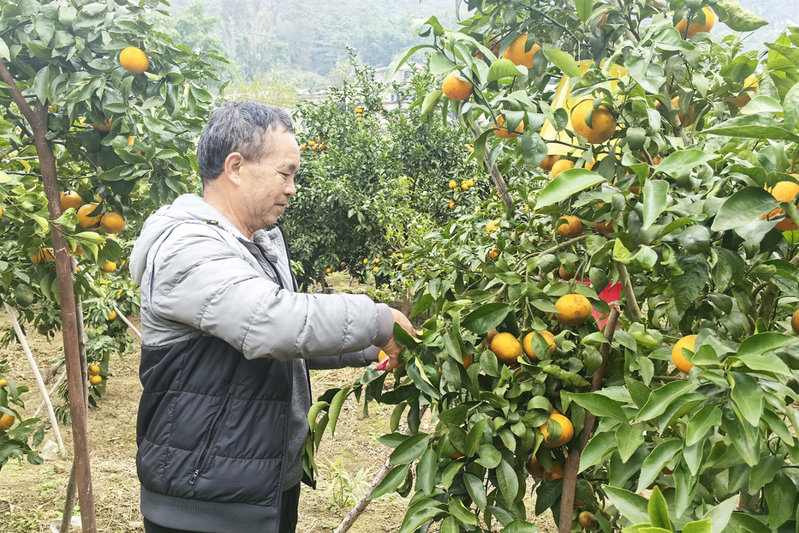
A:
[32,496]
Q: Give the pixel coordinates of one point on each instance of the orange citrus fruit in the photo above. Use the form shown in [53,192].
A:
[3,382]
[45,254]
[535,468]
[676,353]
[795,322]
[750,84]
[506,347]
[697,27]
[94,370]
[502,131]
[112,223]
[566,431]
[784,191]
[548,162]
[109,266]
[587,520]
[134,60]
[492,225]
[517,54]
[468,359]
[555,471]
[573,227]
[70,199]
[96,380]
[456,88]
[86,219]
[603,123]
[575,309]
[6,421]
[560,166]
[528,343]
[605,227]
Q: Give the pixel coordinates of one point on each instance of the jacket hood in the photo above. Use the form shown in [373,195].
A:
[187,208]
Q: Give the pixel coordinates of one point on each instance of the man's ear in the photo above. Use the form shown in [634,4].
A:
[233,164]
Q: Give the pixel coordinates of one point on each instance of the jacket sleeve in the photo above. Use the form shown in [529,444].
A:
[356,359]
[202,281]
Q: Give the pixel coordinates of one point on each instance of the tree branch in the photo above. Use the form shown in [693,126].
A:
[629,294]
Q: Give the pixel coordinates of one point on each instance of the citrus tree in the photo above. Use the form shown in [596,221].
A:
[620,327]
[99,116]
[14,437]
[371,177]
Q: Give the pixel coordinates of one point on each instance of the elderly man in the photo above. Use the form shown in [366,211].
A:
[227,340]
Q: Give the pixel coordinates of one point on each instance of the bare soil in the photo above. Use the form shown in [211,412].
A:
[31,497]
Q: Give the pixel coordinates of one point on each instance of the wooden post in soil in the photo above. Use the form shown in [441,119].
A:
[573,460]
[37,119]
[37,376]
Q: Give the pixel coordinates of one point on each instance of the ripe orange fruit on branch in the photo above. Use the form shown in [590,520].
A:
[70,199]
[506,347]
[535,468]
[112,223]
[85,217]
[676,353]
[603,123]
[605,227]
[750,84]
[572,228]
[566,433]
[96,380]
[6,422]
[528,343]
[134,60]
[784,191]
[575,309]
[548,162]
[456,88]
[109,266]
[555,471]
[517,54]
[468,359]
[492,225]
[502,131]
[560,166]
[45,254]
[697,27]
[564,275]
[94,370]
[587,520]
[795,322]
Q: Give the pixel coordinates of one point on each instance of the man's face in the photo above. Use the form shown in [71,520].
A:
[268,184]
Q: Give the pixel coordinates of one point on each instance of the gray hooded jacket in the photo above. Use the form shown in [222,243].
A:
[222,417]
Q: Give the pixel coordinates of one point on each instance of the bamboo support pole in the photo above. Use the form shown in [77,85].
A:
[58,382]
[38,376]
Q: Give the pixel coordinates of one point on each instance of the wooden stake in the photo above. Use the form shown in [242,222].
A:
[573,460]
[37,119]
[38,375]
[360,507]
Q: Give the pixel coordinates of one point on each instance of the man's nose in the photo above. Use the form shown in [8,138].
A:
[290,189]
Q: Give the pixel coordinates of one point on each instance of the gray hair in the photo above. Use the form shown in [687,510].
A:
[238,127]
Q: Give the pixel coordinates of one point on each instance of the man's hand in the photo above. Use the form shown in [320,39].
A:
[393,348]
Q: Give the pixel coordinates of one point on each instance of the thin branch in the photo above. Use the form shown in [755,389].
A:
[629,294]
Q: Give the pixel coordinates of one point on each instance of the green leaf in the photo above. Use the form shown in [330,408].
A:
[689,285]
[754,127]
[780,495]
[658,510]
[503,68]
[335,407]
[564,61]
[629,439]
[762,343]
[520,526]
[584,8]
[598,405]
[682,161]
[761,104]
[508,480]
[440,63]
[461,513]
[489,456]
[748,396]
[486,317]
[743,207]
[430,101]
[699,526]
[390,483]
[790,105]
[632,506]
[473,440]
[720,514]
[401,57]
[420,512]
[655,461]
[707,417]
[738,18]
[655,201]
[4,53]
[660,399]
[449,525]
[426,471]
[598,447]
[476,490]
[410,450]
[567,183]
[731,425]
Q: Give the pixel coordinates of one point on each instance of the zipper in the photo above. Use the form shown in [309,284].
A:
[213,434]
